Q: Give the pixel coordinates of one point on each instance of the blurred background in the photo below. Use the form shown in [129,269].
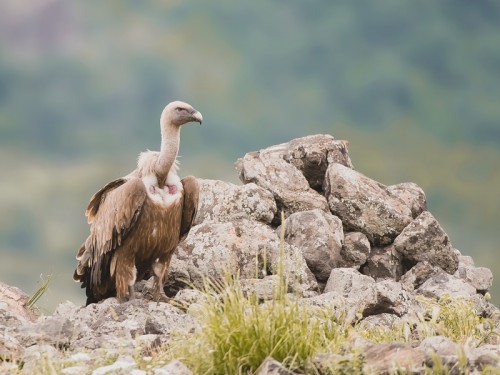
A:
[413,86]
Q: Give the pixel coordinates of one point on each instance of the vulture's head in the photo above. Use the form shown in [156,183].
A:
[179,113]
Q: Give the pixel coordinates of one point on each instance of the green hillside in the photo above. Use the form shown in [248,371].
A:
[414,87]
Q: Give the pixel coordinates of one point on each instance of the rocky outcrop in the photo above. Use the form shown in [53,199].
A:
[349,243]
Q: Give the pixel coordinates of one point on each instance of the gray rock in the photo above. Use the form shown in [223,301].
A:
[383,263]
[252,249]
[424,240]
[480,278]
[444,283]
[419,273]
[187,297]
[15,301]
[312,154]
[412,195]
[390,357]
[123,365]
[174,367]
[35,354]
[381,320]
[465,260]
[348,283]
[355,251]
[221,201]
[388,296]
[365,205]
[268,169]
[264,289]
[445,349]
[110,324]
[272,367]
[58,332]
[319,236]
[485,355]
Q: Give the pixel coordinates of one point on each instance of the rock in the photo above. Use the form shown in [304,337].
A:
[365,205]
[383,263]
[244,247]
[187,297]
[15,301]
[366,296]
[424,240]
[319,236]
[387,296]
[222,201]
[441,346]
[47,330]
[349,283]
[385,320]
[110,324]
[443,283]
[33,355]
[412,195]
[268,169]
[390,357]
[123,365]
[355,251]
[174,367]
[272,367]
[328,363]
[312,154]
[465,260]
[264,289]
[486,355]
[419,273]
[480,278]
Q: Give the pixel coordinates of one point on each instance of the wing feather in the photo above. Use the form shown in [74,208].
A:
[190,205]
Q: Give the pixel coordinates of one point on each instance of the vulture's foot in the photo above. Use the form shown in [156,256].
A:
[156,296]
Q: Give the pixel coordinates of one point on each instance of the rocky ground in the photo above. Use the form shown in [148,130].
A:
[373,251]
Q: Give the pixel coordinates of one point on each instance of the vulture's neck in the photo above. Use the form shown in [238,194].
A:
[170,138]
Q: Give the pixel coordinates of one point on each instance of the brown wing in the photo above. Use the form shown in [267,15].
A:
[114,211]
[100,196]
[190,204]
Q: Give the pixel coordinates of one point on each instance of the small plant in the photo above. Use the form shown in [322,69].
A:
[45,282]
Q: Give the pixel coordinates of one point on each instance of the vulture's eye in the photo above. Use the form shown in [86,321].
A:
[179,109]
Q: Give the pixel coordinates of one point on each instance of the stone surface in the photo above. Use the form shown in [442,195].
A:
[355,251]
[15,301]
[390,357]
[365,205]
[385,320]
[319,236]
[221,201]
[312,154]
[444,283]
[244,247]
[174,367]
[268,169]
[348,283]
[419,273]
[424,240]
[272,367]
[480,278]
[264,289]
[486,355]
[412,195]
[387,296]
[441,346]
[383,263]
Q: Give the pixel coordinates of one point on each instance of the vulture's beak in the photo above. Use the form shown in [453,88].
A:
[196,116]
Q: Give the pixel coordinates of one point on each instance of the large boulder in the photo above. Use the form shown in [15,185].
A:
[319,236]
[365,205]
[244,247]
[443,283]
[294,172]
[412,195]
[424,240]
[222,201]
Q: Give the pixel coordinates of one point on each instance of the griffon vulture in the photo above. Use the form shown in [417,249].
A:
[138,220]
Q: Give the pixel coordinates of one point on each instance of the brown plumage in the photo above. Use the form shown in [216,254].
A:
[138,220]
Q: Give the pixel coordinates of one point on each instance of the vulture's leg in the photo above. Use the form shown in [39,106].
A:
[131,292]
[160,270]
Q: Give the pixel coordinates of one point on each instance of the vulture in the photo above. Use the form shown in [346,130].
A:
[137,221]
